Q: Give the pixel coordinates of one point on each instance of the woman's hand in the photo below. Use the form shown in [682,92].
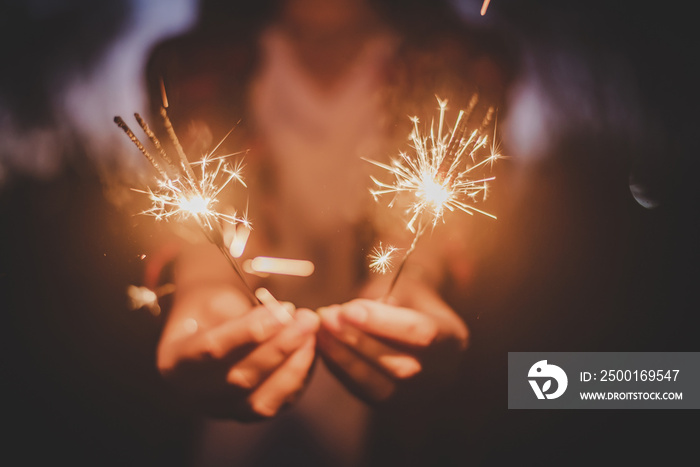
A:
[384,351]
[232,359]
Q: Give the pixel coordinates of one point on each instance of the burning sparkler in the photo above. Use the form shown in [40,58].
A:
[438,175]
[181,194]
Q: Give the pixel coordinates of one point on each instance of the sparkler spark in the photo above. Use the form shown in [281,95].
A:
[184,198]
[443,172]
[381,258]
[439,173]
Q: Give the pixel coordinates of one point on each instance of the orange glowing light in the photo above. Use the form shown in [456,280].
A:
[271,303]
[289,267]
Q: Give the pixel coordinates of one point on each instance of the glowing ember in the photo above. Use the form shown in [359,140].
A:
[143,297]
[432,192]
[196,198]
[237,246]
[290,267]
[195,205]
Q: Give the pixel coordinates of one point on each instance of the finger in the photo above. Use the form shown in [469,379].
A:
[285,382]
[254,327]
[359,376]
[289,307]
[397,364]
[403,325]
[261,362]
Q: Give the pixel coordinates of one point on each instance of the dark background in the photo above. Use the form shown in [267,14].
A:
[576,264]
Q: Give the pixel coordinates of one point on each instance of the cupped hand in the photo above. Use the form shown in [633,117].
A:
[383,351]
[234,360]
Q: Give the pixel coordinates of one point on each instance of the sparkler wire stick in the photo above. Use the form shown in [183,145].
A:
[217,239]
[121,124]
[184,163]
[419,232]
[154,139]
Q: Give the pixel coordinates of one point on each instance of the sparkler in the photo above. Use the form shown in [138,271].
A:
[441,173]
[181,194]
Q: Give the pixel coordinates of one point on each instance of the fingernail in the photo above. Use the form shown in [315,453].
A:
[239,378]
[354,313]
[329,308]
[329,317]
[392,301]
[289,307]
[270,322]
[349,334]
[405,367]
[307,320]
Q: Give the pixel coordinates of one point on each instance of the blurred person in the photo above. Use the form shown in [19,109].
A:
[576,262]
[317,85]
